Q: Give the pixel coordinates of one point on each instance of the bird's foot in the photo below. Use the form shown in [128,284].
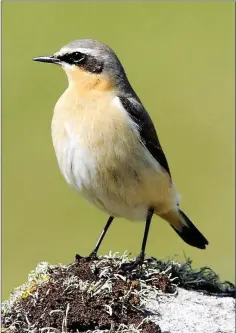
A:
[128,267]
[92,256]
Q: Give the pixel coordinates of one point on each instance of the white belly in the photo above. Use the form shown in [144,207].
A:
[112,190]
[106,162]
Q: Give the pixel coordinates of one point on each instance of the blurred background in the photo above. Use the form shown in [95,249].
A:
[179,57]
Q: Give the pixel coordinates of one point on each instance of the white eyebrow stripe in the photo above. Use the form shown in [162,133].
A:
[87,51]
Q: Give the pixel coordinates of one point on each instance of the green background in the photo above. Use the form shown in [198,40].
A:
[179,57]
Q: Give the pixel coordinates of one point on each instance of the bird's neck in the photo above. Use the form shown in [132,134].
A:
[84,82]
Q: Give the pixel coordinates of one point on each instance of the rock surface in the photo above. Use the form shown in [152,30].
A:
[193,312]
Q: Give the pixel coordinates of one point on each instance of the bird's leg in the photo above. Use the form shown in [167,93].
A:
[93,254]
[140,258]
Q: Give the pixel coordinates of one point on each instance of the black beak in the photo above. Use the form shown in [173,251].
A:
[49,59]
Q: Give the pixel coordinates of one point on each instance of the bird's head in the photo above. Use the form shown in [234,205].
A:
[89,63]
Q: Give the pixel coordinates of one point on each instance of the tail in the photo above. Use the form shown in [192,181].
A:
[185,228]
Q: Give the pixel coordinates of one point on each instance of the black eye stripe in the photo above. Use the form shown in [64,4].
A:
[88,62]
[73,58]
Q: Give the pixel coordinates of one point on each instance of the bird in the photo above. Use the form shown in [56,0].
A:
[107,147]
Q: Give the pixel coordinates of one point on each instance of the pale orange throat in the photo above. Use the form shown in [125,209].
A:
[84,105]
[86,81]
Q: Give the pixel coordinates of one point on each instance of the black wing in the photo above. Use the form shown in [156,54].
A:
[146,129]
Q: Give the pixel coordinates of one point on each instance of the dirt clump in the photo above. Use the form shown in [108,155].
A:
[86,296]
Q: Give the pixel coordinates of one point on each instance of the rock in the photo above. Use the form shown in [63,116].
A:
[99,296]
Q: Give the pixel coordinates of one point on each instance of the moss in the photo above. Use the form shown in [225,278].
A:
[97,296]
[203,279]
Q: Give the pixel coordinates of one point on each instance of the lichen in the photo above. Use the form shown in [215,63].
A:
[97,296]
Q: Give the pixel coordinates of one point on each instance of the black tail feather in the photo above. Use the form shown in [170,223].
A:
[190,234]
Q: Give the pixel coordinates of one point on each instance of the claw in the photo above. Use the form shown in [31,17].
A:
[92,256]
[128,267]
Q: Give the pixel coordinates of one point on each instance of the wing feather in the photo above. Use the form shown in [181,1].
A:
[146,129]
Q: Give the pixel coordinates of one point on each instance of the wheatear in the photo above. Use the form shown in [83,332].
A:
[106,144]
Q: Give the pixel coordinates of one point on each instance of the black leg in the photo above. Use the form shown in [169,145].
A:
[140,258]
[93,254]
[146,231]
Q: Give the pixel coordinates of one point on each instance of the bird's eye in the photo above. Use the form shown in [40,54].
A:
[77,57]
